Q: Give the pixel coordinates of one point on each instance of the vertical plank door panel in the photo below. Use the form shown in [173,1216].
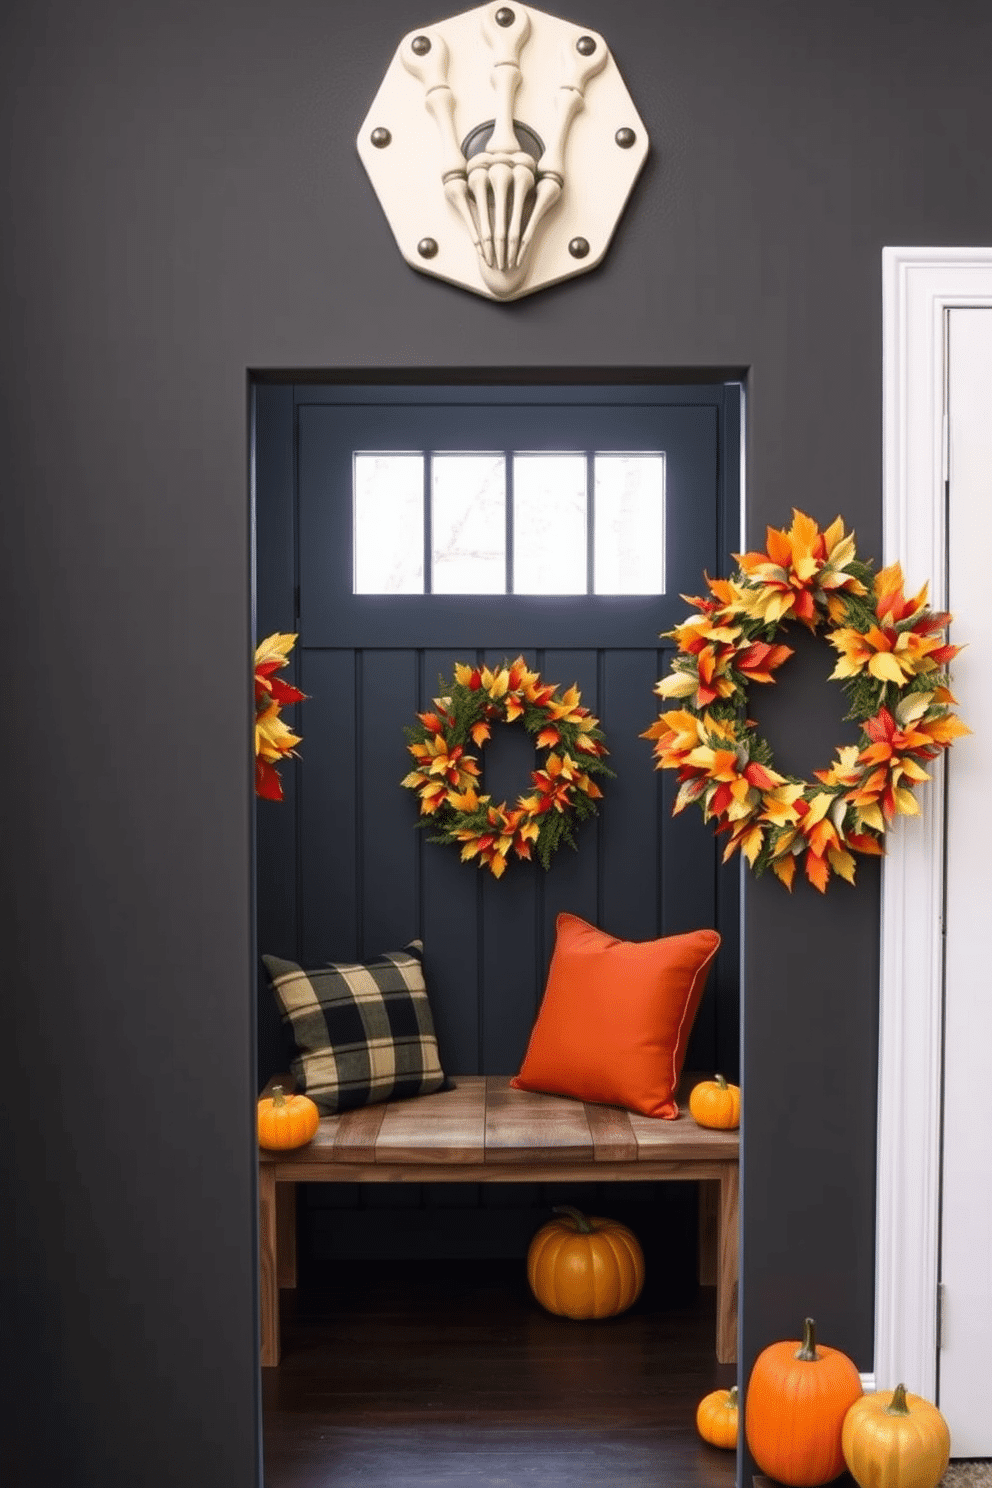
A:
[328,840]
[509,909]
[451,899]
[389,876]
[573,884]
[631,828]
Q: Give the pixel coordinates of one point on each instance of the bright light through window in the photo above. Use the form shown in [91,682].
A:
[629,548]
[467,520]
[389,524]
[468,525]
[549,524]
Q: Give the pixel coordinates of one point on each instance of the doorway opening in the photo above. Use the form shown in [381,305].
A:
[412,1311]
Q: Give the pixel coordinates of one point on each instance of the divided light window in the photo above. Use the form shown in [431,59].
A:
[481,522]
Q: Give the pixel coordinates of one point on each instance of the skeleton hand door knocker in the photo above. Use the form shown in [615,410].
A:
[503,146]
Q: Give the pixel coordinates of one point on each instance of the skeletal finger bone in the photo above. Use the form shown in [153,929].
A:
[425,55]
[582,59]
[506,42]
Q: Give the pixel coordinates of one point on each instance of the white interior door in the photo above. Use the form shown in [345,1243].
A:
[966,1206]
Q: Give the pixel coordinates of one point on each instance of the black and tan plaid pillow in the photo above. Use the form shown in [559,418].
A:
[363,1033]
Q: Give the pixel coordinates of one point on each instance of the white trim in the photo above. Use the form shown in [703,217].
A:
[868,1383]
[919,286]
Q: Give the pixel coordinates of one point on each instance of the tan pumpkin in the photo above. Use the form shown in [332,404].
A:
[286,1121]
[585,1268]
[892,1439]
[797,1398]
[716,1103]
[716,1418]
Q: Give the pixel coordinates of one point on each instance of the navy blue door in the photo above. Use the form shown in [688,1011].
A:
[343,872]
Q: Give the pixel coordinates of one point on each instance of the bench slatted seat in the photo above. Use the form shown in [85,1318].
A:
[484,1131]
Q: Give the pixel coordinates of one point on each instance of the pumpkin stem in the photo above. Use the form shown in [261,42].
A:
[278,1098]
[576,1216]
[732,1397]
[898,1405]
[808,1350]
[721,1082]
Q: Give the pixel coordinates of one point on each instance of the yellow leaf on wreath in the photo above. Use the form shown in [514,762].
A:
[913,771]
[466,801]
[676,685]
[886,668]
[912,707]
[906,802]
[842,863]
[818,808]
[751,843]
[847,666]
[273,648]
[871,816]
[840,551]
[946,730]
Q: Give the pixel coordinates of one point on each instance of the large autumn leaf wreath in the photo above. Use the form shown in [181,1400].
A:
[892,663]
[562,793]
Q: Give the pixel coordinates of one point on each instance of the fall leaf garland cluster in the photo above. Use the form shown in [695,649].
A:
[562,792]
[274,740]
[892,662]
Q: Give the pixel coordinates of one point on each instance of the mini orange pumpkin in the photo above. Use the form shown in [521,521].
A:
[716,1418]
[286,1121]
[715,1103]
[585,1268]
[895,1440]
[797,1398]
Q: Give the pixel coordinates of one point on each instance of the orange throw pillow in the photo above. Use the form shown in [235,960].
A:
[616,1017]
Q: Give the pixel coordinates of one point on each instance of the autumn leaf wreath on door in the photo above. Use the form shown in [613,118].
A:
[563,791]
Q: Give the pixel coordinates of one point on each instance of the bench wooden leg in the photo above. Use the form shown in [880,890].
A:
[267,1266]
[286,1234]
[726,1280]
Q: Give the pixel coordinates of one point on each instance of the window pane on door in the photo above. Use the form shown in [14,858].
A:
[549,524]
[468,524]
[630,524]
[389,524]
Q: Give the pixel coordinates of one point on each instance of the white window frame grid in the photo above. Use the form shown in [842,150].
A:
[594,531]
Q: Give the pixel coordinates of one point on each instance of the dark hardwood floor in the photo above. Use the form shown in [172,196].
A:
[400,1374]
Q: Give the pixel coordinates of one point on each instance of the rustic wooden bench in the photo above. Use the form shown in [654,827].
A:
[484,1131]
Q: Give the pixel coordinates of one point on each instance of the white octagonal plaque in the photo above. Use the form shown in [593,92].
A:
[503,145]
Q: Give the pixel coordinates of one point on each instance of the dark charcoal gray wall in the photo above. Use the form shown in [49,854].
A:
[183,204]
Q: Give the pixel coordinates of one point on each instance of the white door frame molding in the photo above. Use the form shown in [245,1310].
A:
[919,287]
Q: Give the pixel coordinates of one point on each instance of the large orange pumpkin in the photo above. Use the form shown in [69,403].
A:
[797,1398]
[286,1121]
[585,1268]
